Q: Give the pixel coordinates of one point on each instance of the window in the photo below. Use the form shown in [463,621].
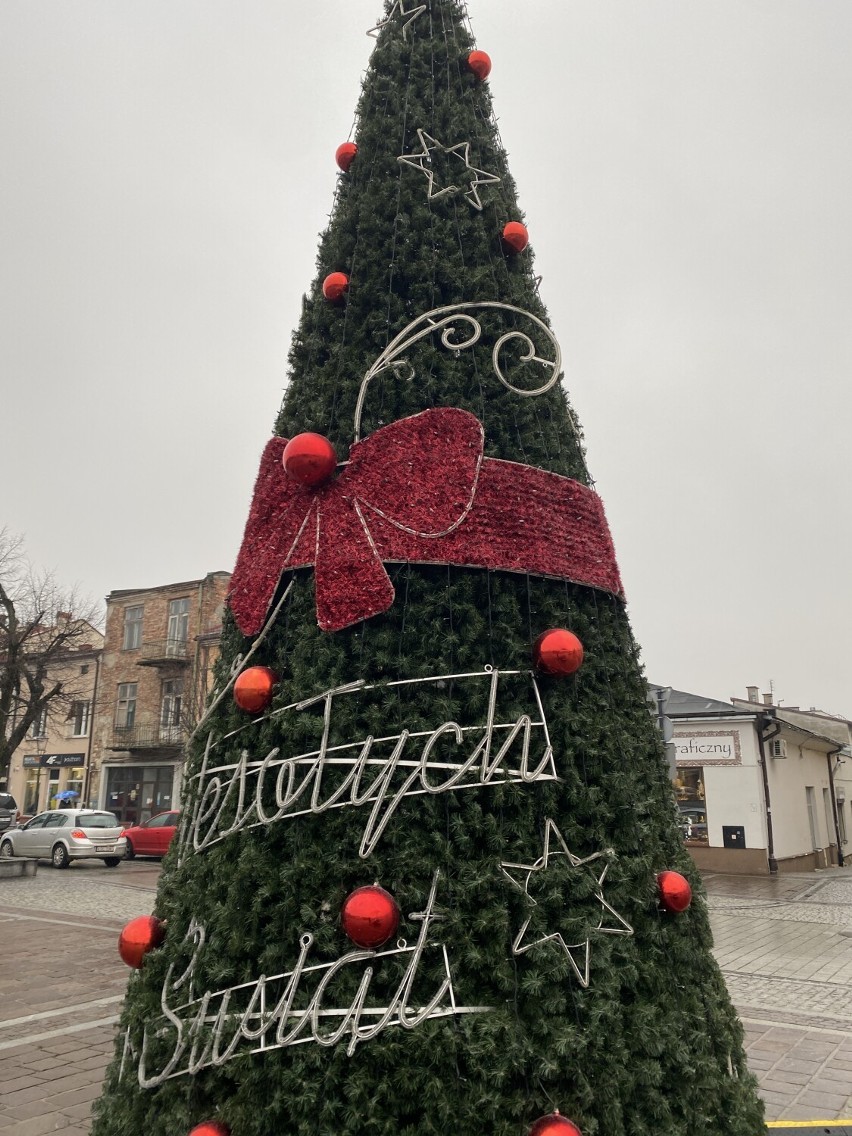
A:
[810,798]
[31,791]
[79,716]
[75,784]
[178,628]
[84,670]
[133,627]
[125,710]
[39,727]
[841,819]
[136,792]
[170,710]
[692,811]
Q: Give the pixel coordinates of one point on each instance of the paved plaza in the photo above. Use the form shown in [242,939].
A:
[784,945]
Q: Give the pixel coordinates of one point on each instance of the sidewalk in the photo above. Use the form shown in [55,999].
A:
[784,945]
[785,948]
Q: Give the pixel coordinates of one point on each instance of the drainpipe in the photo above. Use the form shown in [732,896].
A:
[831,774]
[87,783]
[761,721]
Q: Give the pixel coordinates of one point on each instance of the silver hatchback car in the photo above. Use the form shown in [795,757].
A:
[63,835]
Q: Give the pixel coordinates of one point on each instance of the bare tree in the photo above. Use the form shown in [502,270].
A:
[42,626]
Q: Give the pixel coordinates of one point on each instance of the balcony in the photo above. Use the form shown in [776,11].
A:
[147,737]
[164,653]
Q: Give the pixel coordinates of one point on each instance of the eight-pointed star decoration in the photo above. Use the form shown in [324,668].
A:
[461,150]
[526,872]
[412,14]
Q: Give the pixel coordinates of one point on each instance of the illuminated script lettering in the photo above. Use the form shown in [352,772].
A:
[282,1010]
[375,773]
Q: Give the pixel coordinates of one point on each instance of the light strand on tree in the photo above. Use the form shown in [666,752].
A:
[200,1033]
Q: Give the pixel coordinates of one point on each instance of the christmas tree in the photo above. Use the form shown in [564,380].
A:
[429,877]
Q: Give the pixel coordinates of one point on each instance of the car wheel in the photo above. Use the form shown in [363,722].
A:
[112,862]
[6,850]
[59,856]
[131,851]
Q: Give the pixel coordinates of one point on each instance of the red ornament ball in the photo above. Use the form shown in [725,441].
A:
[138,937]
[254,688]
[515,236]
[370,916]
[480,64]
[558,652]
[309,459]
[674,891]
[554,1125]
[211,1128]
[345,155]
[335,286]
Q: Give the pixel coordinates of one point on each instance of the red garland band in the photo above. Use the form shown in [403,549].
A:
[418,490]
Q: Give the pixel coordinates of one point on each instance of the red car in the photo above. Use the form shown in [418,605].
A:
[151,837]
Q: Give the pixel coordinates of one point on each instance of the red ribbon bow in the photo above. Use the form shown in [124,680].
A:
[417,490]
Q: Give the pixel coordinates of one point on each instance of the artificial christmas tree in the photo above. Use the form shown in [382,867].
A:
[416,886]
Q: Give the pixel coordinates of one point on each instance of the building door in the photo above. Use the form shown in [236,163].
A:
[813,820]
[829,820]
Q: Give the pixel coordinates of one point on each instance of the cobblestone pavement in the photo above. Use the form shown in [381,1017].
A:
[784,945]
[785,949]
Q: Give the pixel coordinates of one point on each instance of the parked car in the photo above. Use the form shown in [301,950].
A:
[63,835]
[151,837]
[8,811]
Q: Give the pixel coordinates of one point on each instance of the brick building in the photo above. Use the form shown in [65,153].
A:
[160,646]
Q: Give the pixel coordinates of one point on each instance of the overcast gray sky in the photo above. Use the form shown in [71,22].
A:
[167,165]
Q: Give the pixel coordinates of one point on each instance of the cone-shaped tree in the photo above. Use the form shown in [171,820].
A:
[518,818]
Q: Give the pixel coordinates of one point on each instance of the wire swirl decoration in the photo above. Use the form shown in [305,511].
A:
[446,320]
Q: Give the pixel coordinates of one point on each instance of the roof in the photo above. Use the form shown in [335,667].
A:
[682,704]
[120,593]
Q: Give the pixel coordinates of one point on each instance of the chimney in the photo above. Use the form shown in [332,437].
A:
[753,693]
[767,700]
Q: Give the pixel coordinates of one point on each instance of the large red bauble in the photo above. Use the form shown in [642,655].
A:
[138,937]
[254,688]
[674,890]
[370,916]
[210,1128]
[554,1125]
[558,652]
[480,64]
[515,235]
[309,459]
[335,286]
[345,155]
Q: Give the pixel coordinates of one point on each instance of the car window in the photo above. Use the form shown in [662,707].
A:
[7,802]
[37,821]
[55,821]
[173,818]
[97,820]
[157,821]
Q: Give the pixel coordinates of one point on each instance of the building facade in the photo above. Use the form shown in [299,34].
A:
[758,791]
[51,766]
[159,649]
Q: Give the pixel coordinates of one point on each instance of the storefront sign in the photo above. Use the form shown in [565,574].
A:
[708,747]
[54,760]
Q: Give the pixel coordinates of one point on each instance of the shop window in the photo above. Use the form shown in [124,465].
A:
[31,788]
[135,793]
[692,811]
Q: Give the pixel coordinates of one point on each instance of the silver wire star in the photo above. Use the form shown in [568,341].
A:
[462,151]
[583,948]
[412,14]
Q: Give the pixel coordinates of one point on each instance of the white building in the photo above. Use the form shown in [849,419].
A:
[760,788]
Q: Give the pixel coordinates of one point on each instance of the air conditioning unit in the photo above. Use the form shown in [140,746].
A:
[777,748]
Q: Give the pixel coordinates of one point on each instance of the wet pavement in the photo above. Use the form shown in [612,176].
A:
[784,946]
